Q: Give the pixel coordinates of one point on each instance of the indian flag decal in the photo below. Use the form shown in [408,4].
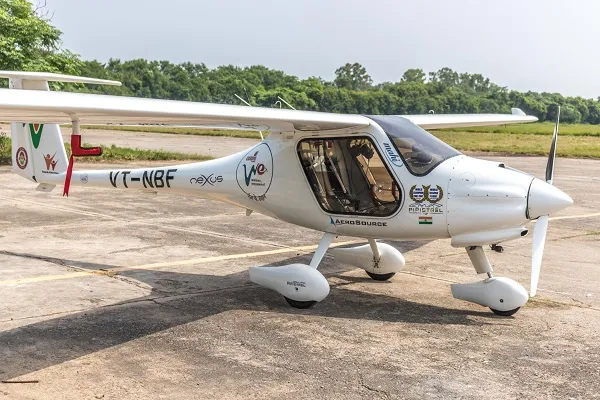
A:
[36,133]
[425,220]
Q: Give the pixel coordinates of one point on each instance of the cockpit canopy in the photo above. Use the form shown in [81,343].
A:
[420,150]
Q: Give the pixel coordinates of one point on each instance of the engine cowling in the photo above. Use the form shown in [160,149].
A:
[486,202]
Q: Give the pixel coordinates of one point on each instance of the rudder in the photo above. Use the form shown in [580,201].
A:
[38,151]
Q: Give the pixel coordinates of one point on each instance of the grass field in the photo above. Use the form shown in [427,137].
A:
[114,153]
[180,131]
[522,144]
[539,128]
[576,140]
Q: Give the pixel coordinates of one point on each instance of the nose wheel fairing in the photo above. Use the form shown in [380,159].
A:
[498,293]
[503,296]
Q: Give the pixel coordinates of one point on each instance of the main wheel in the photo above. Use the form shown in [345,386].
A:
[380,277]
[300,304]
[505,313]
[497,248]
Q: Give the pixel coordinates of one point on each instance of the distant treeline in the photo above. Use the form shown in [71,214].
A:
[28,41]
[352,90]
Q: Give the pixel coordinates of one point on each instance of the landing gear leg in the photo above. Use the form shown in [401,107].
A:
[321,249]
[502,295]
[376,260]
[480,261]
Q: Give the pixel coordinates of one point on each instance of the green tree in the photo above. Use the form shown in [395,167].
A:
[414,75]
[29,42]
[352,76]
[569,114]
[446,76]
[594,112]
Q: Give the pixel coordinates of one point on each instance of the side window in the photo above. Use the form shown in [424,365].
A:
[348,176]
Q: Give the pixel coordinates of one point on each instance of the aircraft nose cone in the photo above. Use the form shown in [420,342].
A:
[545,199]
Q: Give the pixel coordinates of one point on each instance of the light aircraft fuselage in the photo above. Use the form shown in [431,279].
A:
[376,177]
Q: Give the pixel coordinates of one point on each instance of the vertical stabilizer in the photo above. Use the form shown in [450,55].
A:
[38,150]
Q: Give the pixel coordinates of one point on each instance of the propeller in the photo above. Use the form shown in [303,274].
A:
[541,226]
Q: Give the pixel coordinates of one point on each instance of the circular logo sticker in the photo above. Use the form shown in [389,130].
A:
[255,172]
[21,157]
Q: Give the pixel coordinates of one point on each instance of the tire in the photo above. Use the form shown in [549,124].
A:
[505,313]
[302,305]
[380,277]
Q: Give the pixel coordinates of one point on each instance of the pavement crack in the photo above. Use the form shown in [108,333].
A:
[154,300]
[183,295]
[133,282]
[428,277]
[54,314]
[578,301]
[574,236]
[135,249]
[460,253]
[372,389]
[52,260]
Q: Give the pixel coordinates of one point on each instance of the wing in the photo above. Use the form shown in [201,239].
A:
[439,121]
[35,106]
[58,107]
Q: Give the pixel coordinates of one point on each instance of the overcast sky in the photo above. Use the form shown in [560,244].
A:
[540,45]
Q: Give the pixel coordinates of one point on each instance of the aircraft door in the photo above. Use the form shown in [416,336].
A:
[348,176]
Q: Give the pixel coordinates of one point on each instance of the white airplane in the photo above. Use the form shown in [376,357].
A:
[372,177]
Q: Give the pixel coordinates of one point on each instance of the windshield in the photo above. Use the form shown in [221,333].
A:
[420,150]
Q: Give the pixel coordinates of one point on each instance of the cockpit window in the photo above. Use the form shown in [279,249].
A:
[348,176]
[420,150]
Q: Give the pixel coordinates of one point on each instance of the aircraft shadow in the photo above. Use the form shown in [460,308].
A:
[43,344]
